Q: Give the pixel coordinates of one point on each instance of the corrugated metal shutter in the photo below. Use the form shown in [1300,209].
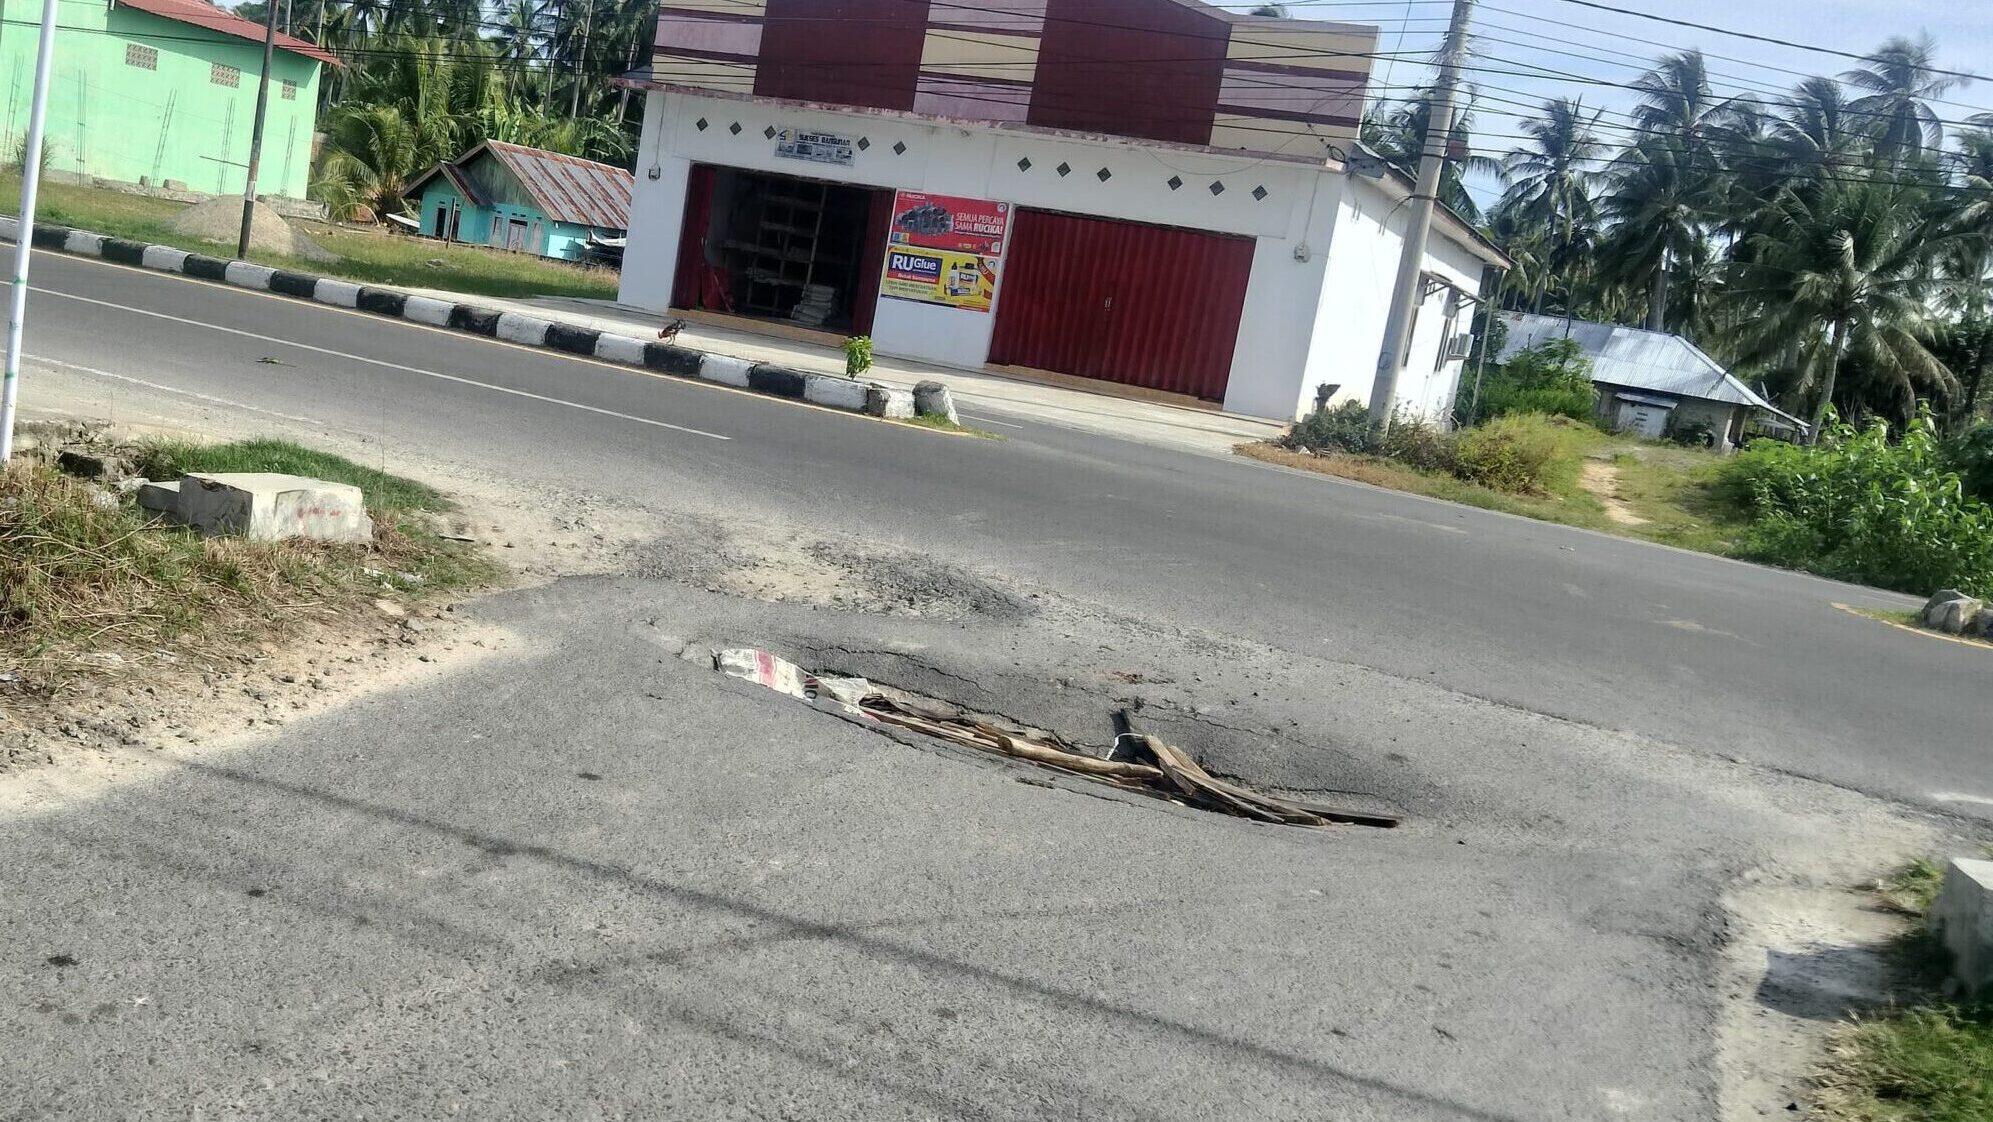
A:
[1124,302]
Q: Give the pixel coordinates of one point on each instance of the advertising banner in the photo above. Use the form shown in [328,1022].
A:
[950,222]
[935,276]
[815,147]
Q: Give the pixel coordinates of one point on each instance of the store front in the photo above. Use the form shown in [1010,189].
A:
[781,247]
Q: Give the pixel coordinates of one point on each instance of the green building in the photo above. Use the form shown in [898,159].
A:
[508,196]
[161,92]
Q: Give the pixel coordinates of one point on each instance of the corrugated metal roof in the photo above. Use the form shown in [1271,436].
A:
[568,188]
[1635,358]
[196,13]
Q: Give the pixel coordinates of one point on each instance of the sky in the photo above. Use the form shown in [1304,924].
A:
[1588,49]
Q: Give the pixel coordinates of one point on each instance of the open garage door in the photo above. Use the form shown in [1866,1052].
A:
[1124,302]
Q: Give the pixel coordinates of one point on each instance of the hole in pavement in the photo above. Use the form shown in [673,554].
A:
[1137,761]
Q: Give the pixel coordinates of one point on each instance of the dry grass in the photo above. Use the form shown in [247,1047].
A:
[88,580]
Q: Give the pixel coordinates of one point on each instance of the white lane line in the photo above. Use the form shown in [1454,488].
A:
[1956,797]
[382,363]
[987,421]
[210,399]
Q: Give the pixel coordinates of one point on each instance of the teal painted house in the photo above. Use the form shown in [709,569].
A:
[525,199]
[158,90]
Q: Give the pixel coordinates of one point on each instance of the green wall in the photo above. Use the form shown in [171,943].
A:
[112,120]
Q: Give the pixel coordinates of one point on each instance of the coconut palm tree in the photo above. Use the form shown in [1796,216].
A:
[1396,131]
[1848,269]
[1548,180]
[1901,80]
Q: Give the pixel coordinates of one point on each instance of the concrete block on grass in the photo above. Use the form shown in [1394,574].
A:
[162,497]
[725,369]
[932,399]
[270,506]
[835,392]
[887,402]
[1962,920]
[620,348]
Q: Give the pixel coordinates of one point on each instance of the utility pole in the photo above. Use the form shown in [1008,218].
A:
[256,130]
[1411,265]
[581,61]
[24,229]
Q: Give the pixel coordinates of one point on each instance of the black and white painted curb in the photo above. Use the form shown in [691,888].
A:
[829,390]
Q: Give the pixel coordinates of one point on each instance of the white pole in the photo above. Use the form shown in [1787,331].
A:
[24,231]
[1411,262]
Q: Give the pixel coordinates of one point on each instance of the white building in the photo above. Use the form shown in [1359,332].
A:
[957,189]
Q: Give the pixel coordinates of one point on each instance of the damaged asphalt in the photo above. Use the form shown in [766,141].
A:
[585,877]
[596,879]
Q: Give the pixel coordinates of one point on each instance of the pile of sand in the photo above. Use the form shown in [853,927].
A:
[220,220]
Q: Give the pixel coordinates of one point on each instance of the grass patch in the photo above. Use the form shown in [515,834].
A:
[943,424]
[170,459]
[89,579]
[1927,1061]
[365,255]
[1680,493]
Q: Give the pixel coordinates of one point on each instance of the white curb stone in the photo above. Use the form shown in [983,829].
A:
[338,293]
[164,258]
[835,392]
[242,274]
[425,309]
[725,370]
[84,242]
[525,330]
[620,348]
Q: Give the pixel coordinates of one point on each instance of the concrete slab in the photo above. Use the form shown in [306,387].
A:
[269,506]
[163,497]
[1962,920]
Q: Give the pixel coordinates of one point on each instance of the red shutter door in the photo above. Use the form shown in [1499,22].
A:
[1125,302]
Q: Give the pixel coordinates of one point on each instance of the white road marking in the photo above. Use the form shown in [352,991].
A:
[382,363]
[210,399]
[987,421]
[1956,797]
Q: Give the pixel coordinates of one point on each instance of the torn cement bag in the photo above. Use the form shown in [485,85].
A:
[764,669]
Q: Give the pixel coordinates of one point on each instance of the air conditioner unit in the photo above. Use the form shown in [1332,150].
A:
[1460,346]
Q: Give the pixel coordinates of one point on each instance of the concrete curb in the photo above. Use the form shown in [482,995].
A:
[826,390]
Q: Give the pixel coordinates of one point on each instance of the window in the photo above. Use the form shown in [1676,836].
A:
[224,75]
[145,58]
[290,91]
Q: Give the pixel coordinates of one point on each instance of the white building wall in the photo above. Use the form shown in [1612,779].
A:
[1315,298]
[1356,301]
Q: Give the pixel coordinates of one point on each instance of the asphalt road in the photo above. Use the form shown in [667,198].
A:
[1719,657]
[584,877]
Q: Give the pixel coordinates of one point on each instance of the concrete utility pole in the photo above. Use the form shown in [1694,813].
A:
[1411,266]
[31,175]
[256,130]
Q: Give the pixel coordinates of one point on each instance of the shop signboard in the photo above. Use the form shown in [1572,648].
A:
[950,222]
[814,146]
[937,276]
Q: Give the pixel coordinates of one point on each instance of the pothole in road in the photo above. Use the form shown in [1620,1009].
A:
[1137,761]
[825,573]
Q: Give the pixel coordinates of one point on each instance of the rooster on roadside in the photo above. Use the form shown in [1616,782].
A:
[670,330]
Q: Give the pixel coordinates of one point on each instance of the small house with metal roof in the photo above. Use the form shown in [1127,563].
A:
[1656,384]
[527,200]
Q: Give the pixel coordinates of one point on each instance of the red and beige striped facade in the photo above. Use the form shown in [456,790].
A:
[1167,70]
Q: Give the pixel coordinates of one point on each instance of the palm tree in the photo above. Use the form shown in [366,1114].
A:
[1901,78]
[1670,178]
[1659,196]
[1847,268]
[1397,131]
[1548,181]
[1819,131]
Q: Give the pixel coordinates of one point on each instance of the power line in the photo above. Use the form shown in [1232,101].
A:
[1772,39]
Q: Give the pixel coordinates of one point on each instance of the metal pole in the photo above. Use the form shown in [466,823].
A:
[24,230]
[256,130]
[1411,264]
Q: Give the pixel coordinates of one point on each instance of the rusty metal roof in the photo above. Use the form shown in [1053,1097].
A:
[195,13]
[1636,358]
[568,188]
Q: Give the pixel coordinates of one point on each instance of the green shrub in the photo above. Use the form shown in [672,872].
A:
[1507,454]
[857,355]
[1859,507]
[1552,377]
[1346,428]
[1971,455]
[1417,442]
